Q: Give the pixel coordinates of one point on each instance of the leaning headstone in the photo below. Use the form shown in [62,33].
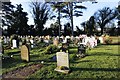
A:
[62,62]
[25,53]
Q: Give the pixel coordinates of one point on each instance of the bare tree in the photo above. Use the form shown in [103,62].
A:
[104,16]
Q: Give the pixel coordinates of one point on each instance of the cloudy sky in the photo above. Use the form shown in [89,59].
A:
[91,9]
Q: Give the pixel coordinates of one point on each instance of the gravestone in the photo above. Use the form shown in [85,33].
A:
[55,42]
[14,43]
[25,53]
[62,62]
[81,50]
[32,43]
[64,47]
[101,39]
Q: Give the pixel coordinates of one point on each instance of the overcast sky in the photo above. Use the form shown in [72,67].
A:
[91,9]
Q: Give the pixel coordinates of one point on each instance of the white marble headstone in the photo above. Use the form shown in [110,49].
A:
[32,42]
[101,39]
[14,43]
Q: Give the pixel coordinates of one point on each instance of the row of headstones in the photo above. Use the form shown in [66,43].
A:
[16,43]
[62,59]
[90,41]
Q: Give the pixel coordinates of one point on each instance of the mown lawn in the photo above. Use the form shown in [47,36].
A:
[100,62]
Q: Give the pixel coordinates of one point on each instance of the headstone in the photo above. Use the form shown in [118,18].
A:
[8,40]
[55,42]
[101,39]
[81,49]
[62,62]
[5,40]
[65,40]
[92,42]
[14,43]
[64,47]
[32,43]
[25,53]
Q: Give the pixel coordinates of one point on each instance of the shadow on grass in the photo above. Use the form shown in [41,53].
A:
[96,69]
[9,62]
[84,61]
[102,54]
[39,58]
[13,53]
[115,43]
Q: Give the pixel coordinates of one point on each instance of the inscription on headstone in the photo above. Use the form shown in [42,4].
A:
[25,53]
[62,62]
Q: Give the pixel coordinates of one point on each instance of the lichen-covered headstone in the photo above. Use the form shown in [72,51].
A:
[25,53]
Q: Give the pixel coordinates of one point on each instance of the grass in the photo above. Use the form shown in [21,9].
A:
[100,62]
[115,39]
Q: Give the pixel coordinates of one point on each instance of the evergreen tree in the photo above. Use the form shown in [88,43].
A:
[15,19]
[7,18]
[41,13]
[20,25]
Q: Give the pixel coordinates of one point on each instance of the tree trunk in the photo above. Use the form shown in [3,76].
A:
[71,17]
[59,21]
[102,31]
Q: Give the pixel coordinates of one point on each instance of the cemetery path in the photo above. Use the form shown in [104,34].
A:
[23,72]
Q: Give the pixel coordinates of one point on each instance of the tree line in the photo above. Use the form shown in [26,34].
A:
[16,19]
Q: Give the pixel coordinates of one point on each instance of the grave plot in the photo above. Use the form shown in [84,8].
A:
[22,72]
[62,62]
